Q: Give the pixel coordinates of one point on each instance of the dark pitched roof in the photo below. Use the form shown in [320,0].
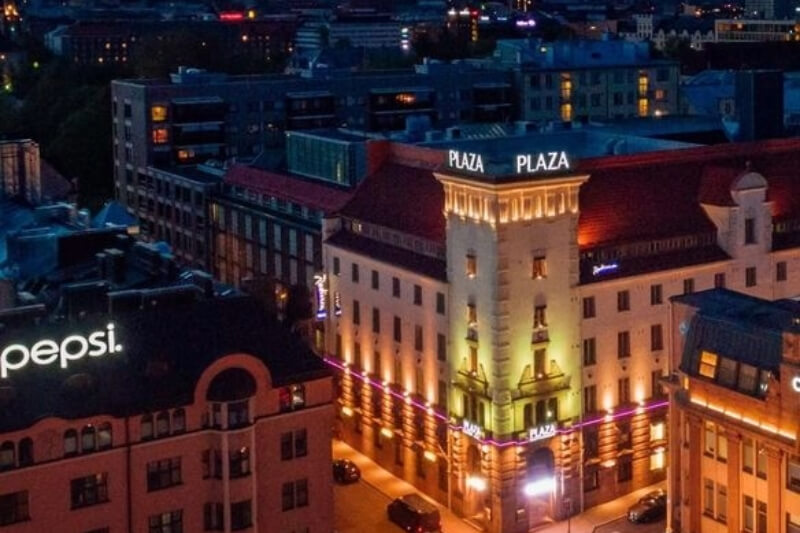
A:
[164,353]
[401,197]
[391,255]
[326,198]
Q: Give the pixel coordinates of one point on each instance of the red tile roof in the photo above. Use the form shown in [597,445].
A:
[403,198]
[296,189]
[626,199]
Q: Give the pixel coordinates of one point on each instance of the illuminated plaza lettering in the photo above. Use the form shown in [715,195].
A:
[541,432]
[542,162]
[603,268]
[46,352]
[796,383]
[465,161]
[473,430]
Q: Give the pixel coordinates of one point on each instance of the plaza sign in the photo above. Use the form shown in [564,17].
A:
[47,352]
[535,163]
[541,432]
[472,430]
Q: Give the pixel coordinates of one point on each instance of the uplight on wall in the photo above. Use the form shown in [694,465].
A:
[540,486]
[477,483]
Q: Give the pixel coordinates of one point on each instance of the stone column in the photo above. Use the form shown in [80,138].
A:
[734,480]
[693,484]
[775,484]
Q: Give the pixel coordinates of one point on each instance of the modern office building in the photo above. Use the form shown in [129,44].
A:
[754,29]
[734,412]
[197,116]
[367,32]
[165,409]
[506,357]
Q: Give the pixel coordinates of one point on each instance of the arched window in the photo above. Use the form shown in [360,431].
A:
[25,452]
[178,421]
[162,424]
[104,440]
[147,427]
[88,439]
[7,461]
[70,442]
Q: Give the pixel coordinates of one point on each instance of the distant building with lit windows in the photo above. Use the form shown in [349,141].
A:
[734,414]
[507,357]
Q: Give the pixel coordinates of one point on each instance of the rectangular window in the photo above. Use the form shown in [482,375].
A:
[761,518]
[376,280]
[473,359]
[624,391]
[417,295]
[590,399]
[710,440]
[89,490]
[376,320]
[748,514]
[722,502]
[398,329]
[213,517]
[241,515]
[589,352]
[708,364]
[540,316]
[336,266]
[719,280]
[539,362]
[158,113]
[539,270]
[588,307]
[169,522]
[623,344]
[780,271]
[287,446]
[656,295]
[356,313]
[623,301]
[287,496]
[761,463]
[472,266]
[163,474]
[655,383]
[793,473]
[440,304]
[396,287]
[239,463]
[13,508]
[722,446]
[708,497]
[656,337]
[354,275]
[750,277]
[441,347]
[418,338]
[688,286]
[749,231]
[747,455]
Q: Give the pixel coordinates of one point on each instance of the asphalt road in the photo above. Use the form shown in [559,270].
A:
[359,508]
[622,525]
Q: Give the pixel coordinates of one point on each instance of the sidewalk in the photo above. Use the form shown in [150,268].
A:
[393,487]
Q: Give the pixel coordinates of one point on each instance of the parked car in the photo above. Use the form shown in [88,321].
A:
[414,513]
[651,507]
[345,471]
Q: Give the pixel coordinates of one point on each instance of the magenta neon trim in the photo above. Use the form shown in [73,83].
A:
[492,442]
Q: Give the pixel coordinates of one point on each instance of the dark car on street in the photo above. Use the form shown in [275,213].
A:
[345,471]
[415,514]
[651,507]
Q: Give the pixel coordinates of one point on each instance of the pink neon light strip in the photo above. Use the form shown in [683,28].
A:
[493,442]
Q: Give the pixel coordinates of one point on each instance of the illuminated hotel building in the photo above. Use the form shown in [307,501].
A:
[193,414]
[734,415]
[503,324]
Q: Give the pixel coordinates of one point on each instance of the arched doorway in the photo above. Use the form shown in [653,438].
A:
[476,493]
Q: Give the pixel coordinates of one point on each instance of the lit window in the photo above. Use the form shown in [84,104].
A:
[539,267]
[708,365]
[158,113]
[657,431]
[184,155]
[405,98]
[472,265]
[657,460]
[160,136]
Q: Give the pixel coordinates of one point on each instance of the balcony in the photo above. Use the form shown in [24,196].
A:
[472,380]
[553,381]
